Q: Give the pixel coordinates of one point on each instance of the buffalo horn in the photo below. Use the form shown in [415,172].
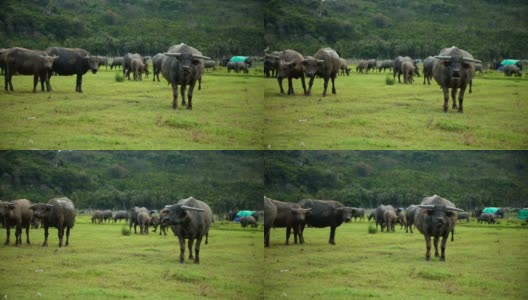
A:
[426,206]
[191,208]
[467,59]
[443,57]
[200,56]
[451,208]
[172,54]
[168,206]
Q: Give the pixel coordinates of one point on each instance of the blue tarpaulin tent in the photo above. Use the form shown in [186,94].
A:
[508,62]
[523,214]
[490,210]
[243,213]
[238,58]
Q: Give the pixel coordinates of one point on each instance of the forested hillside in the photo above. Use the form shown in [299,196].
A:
[370,178]
[489,29]
[122,179]
[115,27]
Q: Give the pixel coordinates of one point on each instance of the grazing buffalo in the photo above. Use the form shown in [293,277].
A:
[183,65]
[210,64]
[362,66]
[190,219]
[121,215]
[28,62]
[291,66]
[386,64]
[127,63]
[408,71]
[163,226]
[102,61]
[436,217]
[248,221]
[18,214]
[271,63]
[325,63]
[97,216]
[116,62]
[463,216]
[59,213]
[409,216]
[231,66]
[358,213]
[402,220]
[325,213]
[380,214]
[270,213]
[155,220]
[292,216]
[137,67]
[156,66]
[72,61]
[510,70]
[389,220]
[133,217]
[454,69]
[397,68]
[107,215]
[486,218]
[242,67]
[344,67]
[371,65]
[143,220]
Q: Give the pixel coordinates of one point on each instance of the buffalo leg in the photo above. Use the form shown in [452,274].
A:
[182,249]
[290,87]
[8,233]
[310,85]
[443,246]
[207,238]
[200,83]
[303,83]
[427,248]
[332,235]
[190,94]
[174,96]
[190,243]
[182,92]
[8,82]
[325,86]
[453,235]
[280,85]
[436,246]
[461,99]
[35,83]
[446,98]
[453,97]
[61,235]
[67,236]
[197,250]
[27,233]
[78,87]
[288,232]
[266,235]
[333,85]
[45,244]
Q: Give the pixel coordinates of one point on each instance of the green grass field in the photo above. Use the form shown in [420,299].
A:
[247,112]
[484,262]
[367,113]
[227,114]
[101,263]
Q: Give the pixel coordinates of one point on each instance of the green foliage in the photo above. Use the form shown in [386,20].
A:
[119,76]
[125,230]
[372,229]
[389,80]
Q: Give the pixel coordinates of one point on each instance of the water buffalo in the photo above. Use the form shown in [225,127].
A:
[344,67]
[380,213]
[372,215]
[397,68]
[510,70]
[133,217]
[28,62]
[402,220]
[231,66]
[436,217]
[371,65]
[18,214]
[102,61]
[210,64]
[270,213]
[59,213]
[143,220]
[116,62]
[242,67]
[486,218]
[324,63]
[428,69]
[183,65]
[121,215]
[137,67]
[271,63]
[190,219]
[408,70]
[326,213]
[163,226]
[72,61]
[155,220]
[292,216]
[107,215]
[362,66]
[358,213]
[248,221]
[127,63]
[454,68]
[97,216]
[386,64]
[389,220]
[156,66]
[291,66]
[463,216]
[409,216]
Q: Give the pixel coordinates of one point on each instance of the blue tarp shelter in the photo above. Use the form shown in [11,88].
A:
[508,62]
[490,210]
[243,213]
[523,214]
[238,58]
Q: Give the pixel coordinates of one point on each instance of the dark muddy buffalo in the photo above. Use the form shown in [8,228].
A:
[463,216]
[97,216]
[270,213]
[72,61]
[397,68]
[133,217]
[156,66]
[386,64]
[143,219]
[183,65]
[163,226]
[291,216]
[436,217]
[121,215]
[409,216]
[428,69]
[486,218]
[271,63]
[326,213]
[190,219]
[325,63]
[127,63]
[379,214]
[371,65]
[116,62]
[291,66]
[18,214]
[59,213]
[24,61]
[454,69]
[408,71]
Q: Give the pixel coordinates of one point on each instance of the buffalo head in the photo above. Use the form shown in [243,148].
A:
[48,61]
[179,214]
[92,62]
[41,210]
[346,213]
[439,213]
[299,214]
[186,60]
[312,65]
[455,64]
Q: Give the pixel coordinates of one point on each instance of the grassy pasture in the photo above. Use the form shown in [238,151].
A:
[227,114]
[484,262]
[101,263]
[367,113]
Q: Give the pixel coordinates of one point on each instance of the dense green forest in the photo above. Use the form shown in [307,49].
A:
[489,29]
[115,27]
[370,178]
[227,180]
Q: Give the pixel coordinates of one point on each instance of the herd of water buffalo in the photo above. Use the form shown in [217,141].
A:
[435,217]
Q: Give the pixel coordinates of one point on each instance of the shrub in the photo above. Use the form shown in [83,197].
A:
[119,77]
[372,229]
[389,80]
[125,230]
